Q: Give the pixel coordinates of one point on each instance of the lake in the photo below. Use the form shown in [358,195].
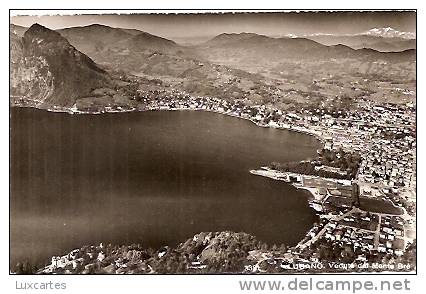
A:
[155,178]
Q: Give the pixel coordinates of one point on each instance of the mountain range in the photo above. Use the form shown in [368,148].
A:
[384,39]
[101,42]
[380,39]
[257,53]
[58,67]
[389,32]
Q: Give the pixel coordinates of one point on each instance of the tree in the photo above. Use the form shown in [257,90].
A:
[347,254]
[325,252]
[25,268]
[264,247]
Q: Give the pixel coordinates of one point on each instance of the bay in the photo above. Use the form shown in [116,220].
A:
[155,178]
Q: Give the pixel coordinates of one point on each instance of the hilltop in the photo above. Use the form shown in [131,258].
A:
[209,252]
[206,252]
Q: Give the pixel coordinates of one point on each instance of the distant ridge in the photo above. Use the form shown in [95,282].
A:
[96,38]
[380,39]
[143,41]
[252,45]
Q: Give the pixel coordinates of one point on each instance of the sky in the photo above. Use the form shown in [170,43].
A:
[211,24]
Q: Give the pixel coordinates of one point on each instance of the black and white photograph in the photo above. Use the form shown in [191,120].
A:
[213,142]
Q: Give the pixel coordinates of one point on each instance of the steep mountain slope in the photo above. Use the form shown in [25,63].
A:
[50,71]
[30,78]
[15,47]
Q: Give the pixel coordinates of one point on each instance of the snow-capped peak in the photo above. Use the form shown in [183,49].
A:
[389,32]
[291,36]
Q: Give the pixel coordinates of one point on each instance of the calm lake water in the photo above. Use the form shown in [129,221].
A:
[153,178]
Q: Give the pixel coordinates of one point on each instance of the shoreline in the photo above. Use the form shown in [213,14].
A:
[279,176]
[227,113]
[284,176]
[310,196]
